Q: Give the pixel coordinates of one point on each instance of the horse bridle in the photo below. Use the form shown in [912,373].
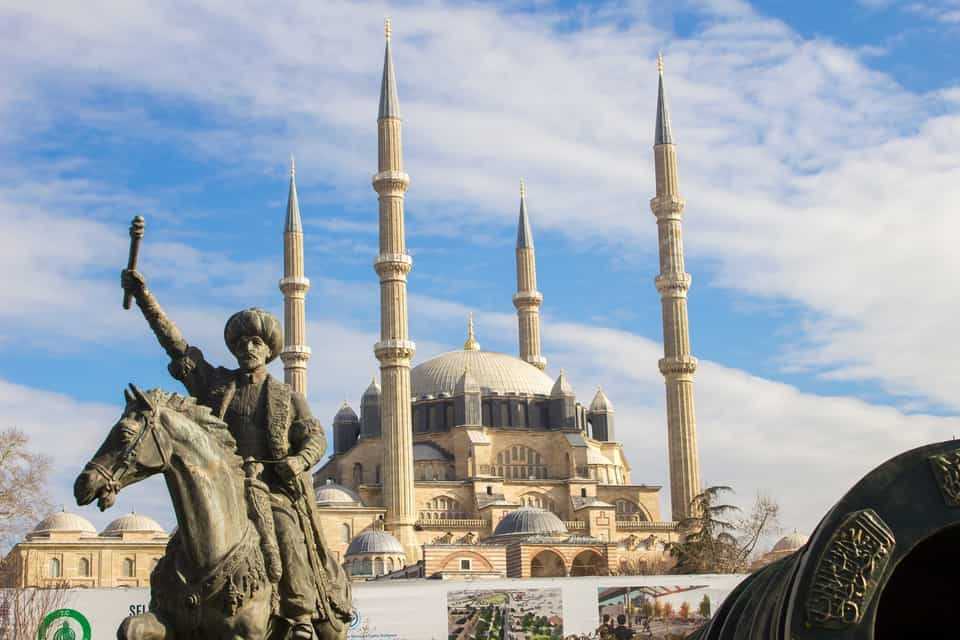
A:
[125,460]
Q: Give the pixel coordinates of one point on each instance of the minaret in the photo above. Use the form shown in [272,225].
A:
[294,285]
[527,299]
[395,349]
[677,365]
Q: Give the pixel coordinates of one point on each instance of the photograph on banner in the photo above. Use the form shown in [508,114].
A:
[654,612]
[528,614]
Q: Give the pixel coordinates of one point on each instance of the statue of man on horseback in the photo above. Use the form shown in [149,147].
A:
[272,425]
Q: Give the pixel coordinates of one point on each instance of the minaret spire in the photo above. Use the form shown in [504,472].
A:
[527,299]
[394,350]
[663,134]
[677,364]
[294,286]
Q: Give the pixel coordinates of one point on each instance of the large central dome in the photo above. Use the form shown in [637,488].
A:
[492,371]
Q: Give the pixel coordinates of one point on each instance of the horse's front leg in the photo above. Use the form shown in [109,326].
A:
[145,626]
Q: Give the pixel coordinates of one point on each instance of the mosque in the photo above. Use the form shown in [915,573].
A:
[472,463]
[481,463]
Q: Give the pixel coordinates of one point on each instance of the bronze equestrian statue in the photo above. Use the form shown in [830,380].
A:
[273,430]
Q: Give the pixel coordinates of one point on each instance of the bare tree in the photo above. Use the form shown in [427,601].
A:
[713,543]
[22,609]
[23,501]
[23,477]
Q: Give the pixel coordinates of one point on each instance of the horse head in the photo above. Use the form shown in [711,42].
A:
[130,453]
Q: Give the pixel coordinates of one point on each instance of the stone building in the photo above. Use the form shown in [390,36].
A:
[66,548]
[446,451]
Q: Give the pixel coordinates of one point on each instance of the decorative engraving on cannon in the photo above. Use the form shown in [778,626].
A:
[846,575]
[946,469]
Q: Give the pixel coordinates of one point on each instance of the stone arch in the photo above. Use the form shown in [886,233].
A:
[357,474]
[547,564]
[629,510]
[129,568]
[83,567]
[454,557]
[588,563]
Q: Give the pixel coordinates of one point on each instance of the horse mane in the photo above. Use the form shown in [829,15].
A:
[199,414]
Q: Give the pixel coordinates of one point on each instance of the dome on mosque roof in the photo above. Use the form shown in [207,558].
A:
[601,402]
[491,371]
[791,542]
[346,414]
[530,521]
[63,522]
[374,541]
[133,523]
[373,389]
[336,494]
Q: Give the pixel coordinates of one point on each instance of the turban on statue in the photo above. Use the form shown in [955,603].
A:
[255,322]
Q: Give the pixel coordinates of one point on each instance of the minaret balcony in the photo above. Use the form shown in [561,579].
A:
[678,365]
[294,285]
[667,207]
[393,351]
[393,265]
[390,181]
[527,299]
[674,285]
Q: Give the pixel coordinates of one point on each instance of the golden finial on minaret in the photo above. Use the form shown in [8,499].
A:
[660,62]
[386,27]
[523,189]
[471,344]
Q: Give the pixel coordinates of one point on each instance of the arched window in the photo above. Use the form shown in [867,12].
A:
[539,500]
[391,566]
[376,475]
[53,569]
[366,567]
[629,510]
[520,463]
[345,533]
[83,567]
[129,568]
[443,508]
[378,567]
[357,474]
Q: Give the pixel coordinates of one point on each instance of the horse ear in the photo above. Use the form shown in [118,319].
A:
[141,397]
[128,397]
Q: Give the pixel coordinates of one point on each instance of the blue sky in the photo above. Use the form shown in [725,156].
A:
[818,156]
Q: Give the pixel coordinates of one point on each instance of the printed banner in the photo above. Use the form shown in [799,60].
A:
[652,607]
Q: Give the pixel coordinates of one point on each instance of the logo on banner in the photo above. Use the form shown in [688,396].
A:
[64,624]
[354,619]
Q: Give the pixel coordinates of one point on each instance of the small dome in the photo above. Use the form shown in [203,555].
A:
[63,522]
[346,414]
[530,521]
[133,523]
[601,403]
[374,541]
[791,542]
[373,390]
[561,387]
[336,494]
